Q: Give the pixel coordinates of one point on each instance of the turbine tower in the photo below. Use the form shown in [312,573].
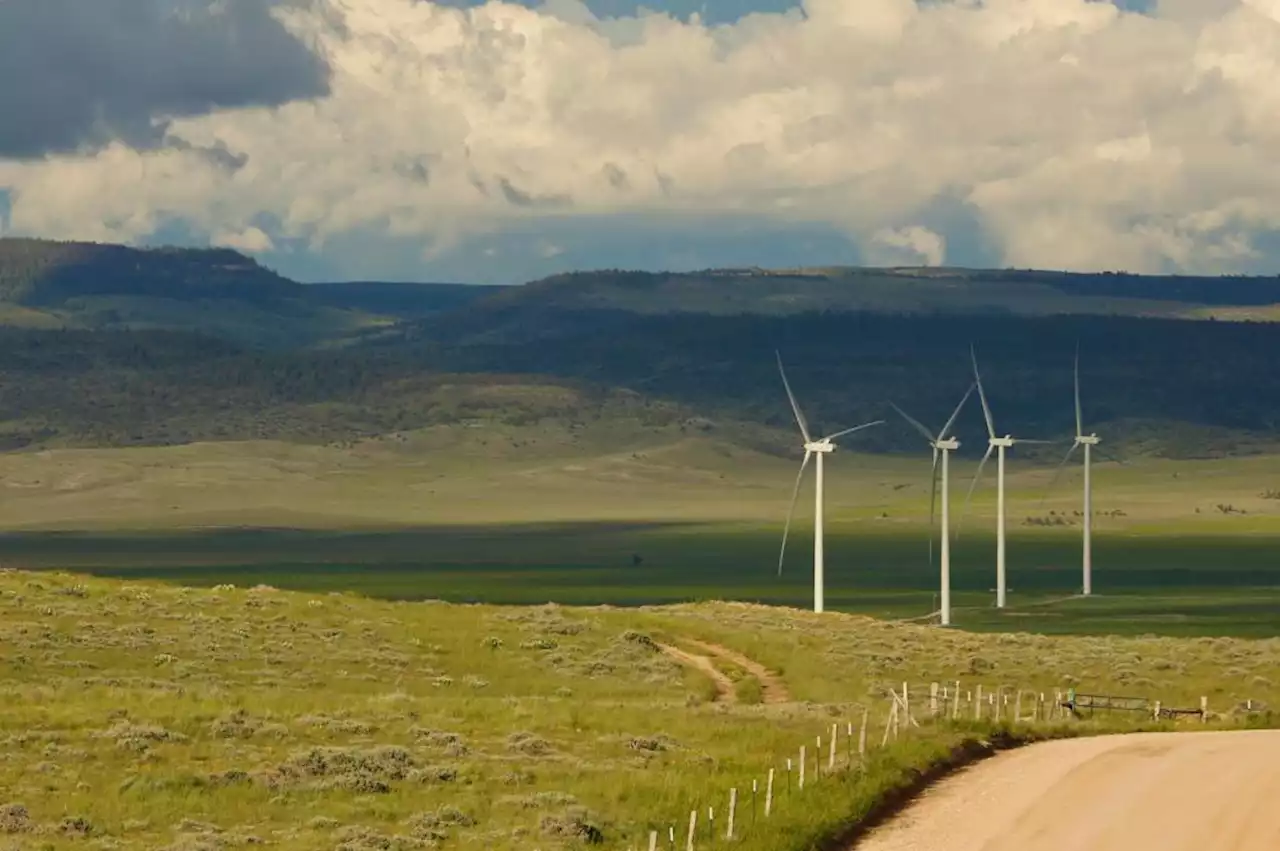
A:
[999,445]
[1088,441]
[812,447]
[944,446]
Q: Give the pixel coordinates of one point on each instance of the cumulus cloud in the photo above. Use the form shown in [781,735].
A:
[252,240]
[910,245]
[1079,135]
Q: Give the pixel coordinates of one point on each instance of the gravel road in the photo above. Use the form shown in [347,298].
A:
[1213,791]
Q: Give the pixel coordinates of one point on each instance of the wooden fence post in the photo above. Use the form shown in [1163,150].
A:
[955,702]
[977,704]
[862,733]
[933,699]
[1204,709]
[831,756]
[1017,708]
[653,840]
[733,809]
[768,795]
[693,826]
[800,784]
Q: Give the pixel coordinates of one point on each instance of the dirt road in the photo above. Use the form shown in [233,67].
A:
[1147,792]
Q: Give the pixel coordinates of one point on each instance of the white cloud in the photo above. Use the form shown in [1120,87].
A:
[1082,136]
[252,240]
[908,246]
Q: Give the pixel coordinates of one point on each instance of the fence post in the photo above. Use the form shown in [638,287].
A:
[977,704]
[653,840]
[693,826]
[800,784]
[1204,709]
[862,734]
[1017,708]
[831,757]
[1156,716]
[888,724]
[906,702]
[733,809]
[768,795]
[955,702]
[933,699]
[711,823]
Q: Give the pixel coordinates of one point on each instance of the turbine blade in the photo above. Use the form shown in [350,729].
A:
[852,430]
[1058,472]
[947,428]
[1079,415]
[1036,442]
[933,500]
[976,476]
[914,422]
[786,530]
[795,406]
[982,395]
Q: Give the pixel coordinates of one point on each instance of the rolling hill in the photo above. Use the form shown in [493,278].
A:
[106,345]
[219,292]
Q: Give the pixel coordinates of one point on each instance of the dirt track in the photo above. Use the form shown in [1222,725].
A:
[724,685]
[1147,792]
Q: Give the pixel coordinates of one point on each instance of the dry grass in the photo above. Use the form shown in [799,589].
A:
[145,716]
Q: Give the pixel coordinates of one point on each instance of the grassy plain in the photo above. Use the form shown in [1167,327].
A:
[156,714]
[144,715]
[532,515]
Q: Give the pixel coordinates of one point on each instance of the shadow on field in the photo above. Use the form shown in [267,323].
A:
[1167,585]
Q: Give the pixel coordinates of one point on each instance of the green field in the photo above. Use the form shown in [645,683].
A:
[436,517]
[148,713]
[144,715]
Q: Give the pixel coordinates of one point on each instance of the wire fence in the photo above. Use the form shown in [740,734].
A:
[843,747]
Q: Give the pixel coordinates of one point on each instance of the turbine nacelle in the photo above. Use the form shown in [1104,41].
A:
[950,444]
[824,445]
[1005,441]
[1088,440]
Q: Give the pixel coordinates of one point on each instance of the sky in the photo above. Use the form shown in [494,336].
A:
[498,142]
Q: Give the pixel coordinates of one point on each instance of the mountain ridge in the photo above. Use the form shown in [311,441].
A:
[113,363]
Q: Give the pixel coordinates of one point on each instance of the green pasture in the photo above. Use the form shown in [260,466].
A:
[1195,584]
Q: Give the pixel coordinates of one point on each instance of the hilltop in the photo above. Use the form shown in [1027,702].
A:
[218,292]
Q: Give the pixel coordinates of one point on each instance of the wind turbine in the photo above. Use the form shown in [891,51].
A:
[812,447]
[1088,441]
[999,445]
[944,446]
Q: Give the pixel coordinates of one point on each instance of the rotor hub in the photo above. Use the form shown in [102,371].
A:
[820,446]
[948,445]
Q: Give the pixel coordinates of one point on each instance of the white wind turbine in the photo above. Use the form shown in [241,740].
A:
[812,447]
[1088,441]
[944,446]
[999,445]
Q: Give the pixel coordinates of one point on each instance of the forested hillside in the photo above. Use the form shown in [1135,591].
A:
[341,361]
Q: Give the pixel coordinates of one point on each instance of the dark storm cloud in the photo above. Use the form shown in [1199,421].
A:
[75,74]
